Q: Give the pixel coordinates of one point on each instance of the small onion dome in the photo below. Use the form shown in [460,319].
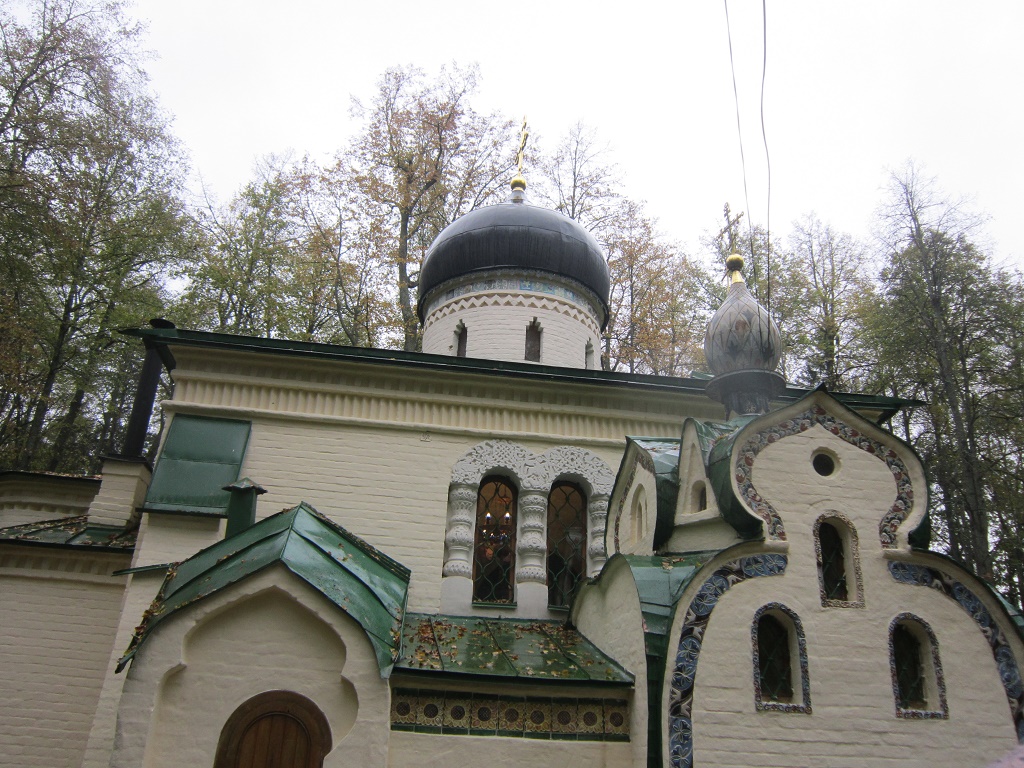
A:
[515,236]
[742,347]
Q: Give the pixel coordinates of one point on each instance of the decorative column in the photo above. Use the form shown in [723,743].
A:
[532,548]
[597,509]
[459,537]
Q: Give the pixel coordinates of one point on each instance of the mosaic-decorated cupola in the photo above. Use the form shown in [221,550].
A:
[743,347]
[515,282]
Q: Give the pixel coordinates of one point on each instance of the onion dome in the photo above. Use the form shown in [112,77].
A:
[515,236]
[743,347]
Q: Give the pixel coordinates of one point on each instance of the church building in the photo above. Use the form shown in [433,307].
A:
[495,550]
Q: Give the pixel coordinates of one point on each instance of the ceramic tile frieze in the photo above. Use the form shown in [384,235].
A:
[530,717]
[775,529]
[1009,672]
[695,622]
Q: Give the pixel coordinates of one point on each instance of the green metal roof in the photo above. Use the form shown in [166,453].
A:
[199,456]
[535,651]
[71,532]
[366,584]
[161,338]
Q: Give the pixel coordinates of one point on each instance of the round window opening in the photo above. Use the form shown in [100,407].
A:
[823,463]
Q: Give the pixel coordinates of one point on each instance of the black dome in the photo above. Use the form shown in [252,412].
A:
[517,236]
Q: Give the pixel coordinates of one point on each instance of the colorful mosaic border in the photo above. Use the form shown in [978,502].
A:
[854,542]
[761,703]
[642,460]
[526,717]
[695,622]
[1009,672]
[942,713]
[801,423]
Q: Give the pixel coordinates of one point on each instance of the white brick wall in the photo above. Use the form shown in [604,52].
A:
[59,618]
[498,331]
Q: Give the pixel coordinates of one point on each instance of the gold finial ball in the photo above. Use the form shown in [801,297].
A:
[734,262]
[518,182]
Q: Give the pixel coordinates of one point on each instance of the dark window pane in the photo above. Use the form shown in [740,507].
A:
[494,556]
[461,348]
[567,542]
[533,342]
[906,650]
[833,562]
[773,660]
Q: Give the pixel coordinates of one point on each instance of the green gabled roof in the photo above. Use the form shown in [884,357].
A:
[71,532]
[526,650]
[364,583]
[664,454]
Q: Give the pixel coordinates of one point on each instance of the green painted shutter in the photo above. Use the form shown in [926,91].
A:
[200,456]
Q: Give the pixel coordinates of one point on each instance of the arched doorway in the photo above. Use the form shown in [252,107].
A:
[276,729]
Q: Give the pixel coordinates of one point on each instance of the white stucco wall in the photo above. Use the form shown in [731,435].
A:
[269,632]
[615,595]
[853,719]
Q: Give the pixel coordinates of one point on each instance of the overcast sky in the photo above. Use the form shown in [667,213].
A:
[853,91]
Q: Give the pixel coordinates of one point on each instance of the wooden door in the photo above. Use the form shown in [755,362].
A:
[277,729]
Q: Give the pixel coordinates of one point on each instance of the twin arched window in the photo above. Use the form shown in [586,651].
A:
[567,541]
[494,551]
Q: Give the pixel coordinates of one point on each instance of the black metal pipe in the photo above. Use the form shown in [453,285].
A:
[142,407]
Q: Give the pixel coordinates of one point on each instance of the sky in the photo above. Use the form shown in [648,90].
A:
[853,91]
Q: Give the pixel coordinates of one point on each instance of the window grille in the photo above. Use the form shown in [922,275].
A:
[833,562]
[907,656]
[494,555]
[567,539]
[775,669]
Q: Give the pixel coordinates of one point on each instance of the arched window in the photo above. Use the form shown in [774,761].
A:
[917,683]
[533,334]
[494,554]
[839,578]
[460,340]
[567,541]
[588,357]
[275,728]
[780,661]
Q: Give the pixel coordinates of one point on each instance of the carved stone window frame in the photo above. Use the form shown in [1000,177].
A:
[534,474]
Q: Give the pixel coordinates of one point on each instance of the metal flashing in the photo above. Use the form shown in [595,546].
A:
[71,532]
[525,650]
